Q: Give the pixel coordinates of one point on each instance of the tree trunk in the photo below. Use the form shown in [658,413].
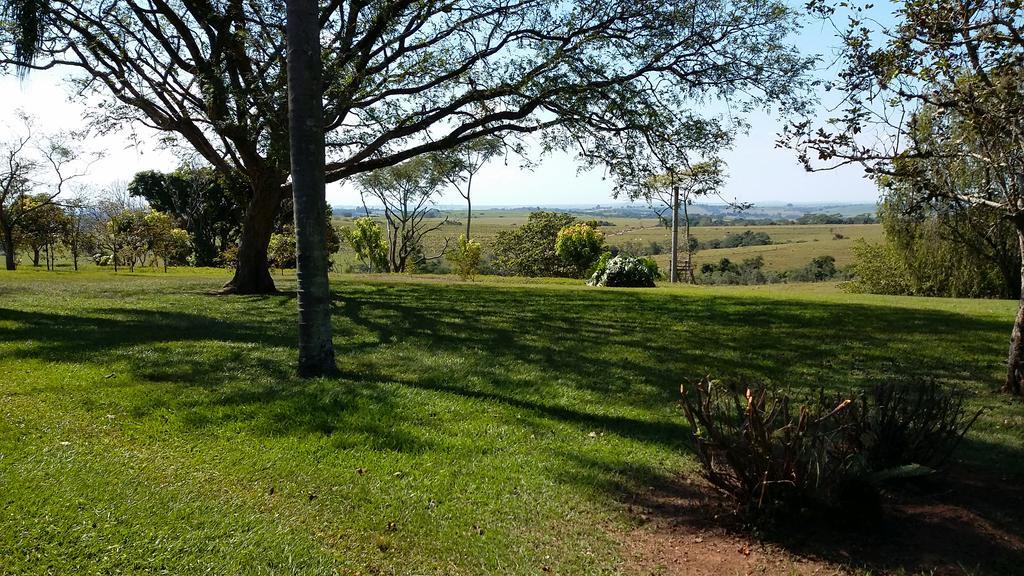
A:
[306,133]
[673,266]
[35,257]
[1015,370]
[469,204]
[9,250]
[686,239]
[252,274]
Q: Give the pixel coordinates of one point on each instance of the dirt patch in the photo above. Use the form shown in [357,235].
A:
[956,524]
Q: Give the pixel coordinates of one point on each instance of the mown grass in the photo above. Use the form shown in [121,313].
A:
[477,427]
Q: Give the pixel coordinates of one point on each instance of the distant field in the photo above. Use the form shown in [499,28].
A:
[794,245]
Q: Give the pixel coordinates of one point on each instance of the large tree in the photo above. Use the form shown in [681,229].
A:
[936,94]
[402,77]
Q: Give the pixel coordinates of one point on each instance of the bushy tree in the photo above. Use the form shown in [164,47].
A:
[130,236]
[466,258]
[41,228]
[579,246]
[529,249]
[952,248]
[878,268]
[166,241]
[282,250]
[931,95]
[366,237]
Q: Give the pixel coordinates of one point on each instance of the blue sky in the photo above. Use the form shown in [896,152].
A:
[758,171]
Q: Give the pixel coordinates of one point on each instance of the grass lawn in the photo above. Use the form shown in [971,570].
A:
[485,427]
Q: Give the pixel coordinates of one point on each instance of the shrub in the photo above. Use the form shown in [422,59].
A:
[281,250]
[878,269]
[579,246]
[819,269]
[466,258]
[529,249]
[624,272]
[366,238]
[775,455]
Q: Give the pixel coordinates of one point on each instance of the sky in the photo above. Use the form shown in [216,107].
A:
[758,171]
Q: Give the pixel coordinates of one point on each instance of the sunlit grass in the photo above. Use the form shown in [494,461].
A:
[478,427]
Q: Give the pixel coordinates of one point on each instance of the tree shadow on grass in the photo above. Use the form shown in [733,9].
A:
[959,522]
[590,360]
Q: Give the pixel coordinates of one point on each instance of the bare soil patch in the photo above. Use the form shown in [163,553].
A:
[959,523]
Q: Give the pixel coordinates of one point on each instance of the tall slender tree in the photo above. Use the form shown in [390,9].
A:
[460,165]
[306,127]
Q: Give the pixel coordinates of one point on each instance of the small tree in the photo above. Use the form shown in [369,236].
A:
[39,166]
[41,228]
[165,240]
[80,216]
[466,258]
[579,246]
[930,95]
[459,165]
[282,250]
[366,237]
[131,237]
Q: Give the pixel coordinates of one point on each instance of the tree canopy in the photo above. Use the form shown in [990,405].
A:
[403,78]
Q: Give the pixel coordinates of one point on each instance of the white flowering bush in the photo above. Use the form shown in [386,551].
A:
[624,272]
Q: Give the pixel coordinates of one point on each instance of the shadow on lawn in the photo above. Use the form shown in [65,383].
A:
[593,360]
[529,349]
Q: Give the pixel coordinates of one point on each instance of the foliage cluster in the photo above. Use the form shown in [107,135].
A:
[366,237]
[624,272]
[579,246]
[466,258]
[529,249]
[940,249]
[751,271]
[736,240]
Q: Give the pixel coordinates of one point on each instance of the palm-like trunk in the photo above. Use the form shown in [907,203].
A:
[10,260]
[1015,362]
[673,266]
[305,120]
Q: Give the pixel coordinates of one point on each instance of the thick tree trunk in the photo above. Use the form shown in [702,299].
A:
[306,132]
[673,266]
[10,259]
[1015,362]
[252,274]
[35,257]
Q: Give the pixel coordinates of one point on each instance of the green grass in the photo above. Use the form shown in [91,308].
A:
[477,427]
